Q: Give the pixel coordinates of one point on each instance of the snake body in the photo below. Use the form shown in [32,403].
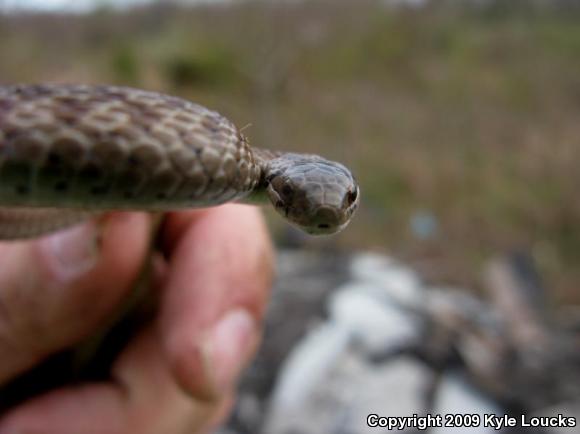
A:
[67,151]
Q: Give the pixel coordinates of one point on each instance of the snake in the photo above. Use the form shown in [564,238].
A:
[69,152]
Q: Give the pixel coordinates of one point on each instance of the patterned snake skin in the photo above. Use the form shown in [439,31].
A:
[67,151]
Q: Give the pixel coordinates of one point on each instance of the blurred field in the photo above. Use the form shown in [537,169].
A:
[466,119]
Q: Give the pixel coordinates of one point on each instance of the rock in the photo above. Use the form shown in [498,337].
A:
[367,262]
[298,305]
[226,431]
[351,391]
[455,396]
[310,364]
[567,410]
[326,384]
[301,401]
[378,325]
[388,279]
[396,388]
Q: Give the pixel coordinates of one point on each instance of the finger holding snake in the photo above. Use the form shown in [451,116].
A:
[176,375]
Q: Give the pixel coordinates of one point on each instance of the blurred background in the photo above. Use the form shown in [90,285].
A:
[460,119]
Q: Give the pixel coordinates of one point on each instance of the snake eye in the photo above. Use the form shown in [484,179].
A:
[351,196]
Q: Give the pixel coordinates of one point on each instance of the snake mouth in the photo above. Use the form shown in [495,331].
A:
[324,229]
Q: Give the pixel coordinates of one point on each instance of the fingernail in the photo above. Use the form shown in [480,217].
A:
[228,348]
[72,252]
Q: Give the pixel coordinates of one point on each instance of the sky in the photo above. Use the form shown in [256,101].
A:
[87,5]
[69,5]
[60,5]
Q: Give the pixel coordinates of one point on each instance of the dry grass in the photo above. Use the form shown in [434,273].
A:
[468,115]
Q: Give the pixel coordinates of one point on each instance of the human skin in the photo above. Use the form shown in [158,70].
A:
[178,374]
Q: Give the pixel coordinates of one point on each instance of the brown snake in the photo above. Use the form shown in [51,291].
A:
[68,152]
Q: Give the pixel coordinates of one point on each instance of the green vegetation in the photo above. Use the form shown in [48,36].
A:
[125,65]
[210,67]
[471,114]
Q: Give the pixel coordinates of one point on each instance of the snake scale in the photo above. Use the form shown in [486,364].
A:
[68,152]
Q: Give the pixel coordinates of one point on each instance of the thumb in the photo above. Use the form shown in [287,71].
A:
[55,290]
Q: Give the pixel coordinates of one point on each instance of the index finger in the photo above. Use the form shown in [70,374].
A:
[220,261]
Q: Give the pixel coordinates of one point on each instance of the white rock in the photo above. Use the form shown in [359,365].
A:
[352,391]
[399,283]
[377,324]
[455,396]
[397,388]
[306,374]
[364,263]
[308,365]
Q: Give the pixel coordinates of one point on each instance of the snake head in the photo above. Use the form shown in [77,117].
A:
[315,194]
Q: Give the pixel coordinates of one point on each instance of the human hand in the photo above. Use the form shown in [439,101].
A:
[177,375]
